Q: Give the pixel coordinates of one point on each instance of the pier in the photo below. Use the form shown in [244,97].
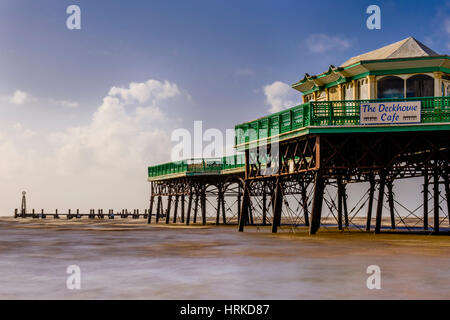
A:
[301,175]
[335,161]
[77,214]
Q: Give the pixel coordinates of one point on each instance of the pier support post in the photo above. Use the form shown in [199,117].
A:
[391,203]
[150,210]
[277,205]
[239,202]
[305,204]
[370,205]
[182,208]
[203,204]
[196,205]
[319,187]
[169,206]
[244,206]
[436,199]
[188,214]
[340,199]
[344,202]
[224,217]
[264,204]
[380,201]
[158,208]
[175,209]
[447,195]
[152,200]
[219,203]
[425,199]
[250,213]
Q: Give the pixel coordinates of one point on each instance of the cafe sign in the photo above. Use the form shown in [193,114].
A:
[390,112]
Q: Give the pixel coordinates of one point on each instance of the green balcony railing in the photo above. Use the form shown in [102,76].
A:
[193,166]
[311,114]
[330,113]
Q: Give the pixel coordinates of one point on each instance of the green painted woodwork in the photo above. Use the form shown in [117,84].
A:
[334,117]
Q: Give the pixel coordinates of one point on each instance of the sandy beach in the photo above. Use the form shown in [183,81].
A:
[128,259]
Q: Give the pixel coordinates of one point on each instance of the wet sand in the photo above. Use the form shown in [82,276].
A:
[128,259]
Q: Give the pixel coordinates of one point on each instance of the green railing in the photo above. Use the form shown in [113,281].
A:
[314,113]
[330,113]
[193,166]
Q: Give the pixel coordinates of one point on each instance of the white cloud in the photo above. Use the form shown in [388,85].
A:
[321,43]
[116,139]
[280,96]
[23,132]
[19,97]
[152,90]
[100,164]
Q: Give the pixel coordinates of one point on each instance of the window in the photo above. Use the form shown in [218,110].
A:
[391,88]
[420,85]
[445,88]
[333,93]
[363,89]
[322,96]
[348,92]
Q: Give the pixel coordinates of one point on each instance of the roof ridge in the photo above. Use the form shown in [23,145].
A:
[407,47]
[423,49]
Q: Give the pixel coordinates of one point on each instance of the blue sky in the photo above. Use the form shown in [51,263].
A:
[221,52]
[220,55]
